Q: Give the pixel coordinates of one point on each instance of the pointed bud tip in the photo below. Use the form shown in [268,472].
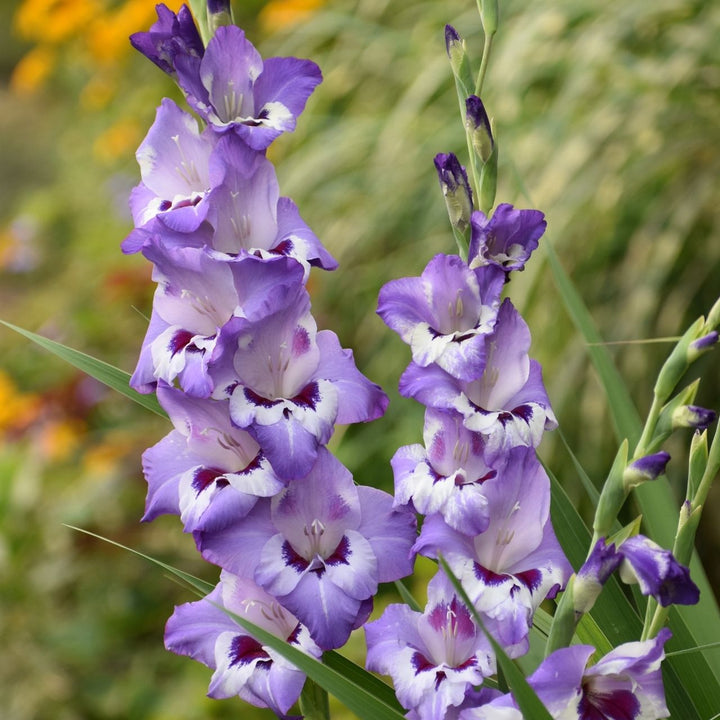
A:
[451,36]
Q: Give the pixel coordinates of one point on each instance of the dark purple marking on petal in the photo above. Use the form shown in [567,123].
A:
[188,202]
[165,205]
[292,638]
[530,578]
[204,477]
[435,475]
[258,400]
[245,650]
[179,341]
[505,417]
[421,663]
[341,553]
[461,481]
[523,411]
[283,248]
[308,396]
[617,705]
[488,576]
[253,465]
[292,559]
[439,677]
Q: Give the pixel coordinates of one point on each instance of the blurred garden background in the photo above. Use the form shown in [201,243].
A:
[608,119]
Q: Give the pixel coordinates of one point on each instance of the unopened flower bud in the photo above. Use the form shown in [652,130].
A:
[478,124]
[456,189]
[693,416]
[219,13]
[600,565]
[701,346]
[455,47]
[658,573]
[645,468]
[697,463]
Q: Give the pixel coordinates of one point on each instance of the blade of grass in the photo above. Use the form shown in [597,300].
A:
[407,596]
[105,373]
[361,692]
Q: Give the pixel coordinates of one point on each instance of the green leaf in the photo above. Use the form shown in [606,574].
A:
[360,676]
[407,596]
[200,587]
[105,373]
[624,414]
[529,703]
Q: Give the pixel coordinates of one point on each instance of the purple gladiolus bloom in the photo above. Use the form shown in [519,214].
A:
[445,315]
[199,292]
[507,402]
[321,546]
[510,568]
[234,90]
[170,36]
[435,658]
[506,239]
[248,214]
[448,475]
[289,384]
[207,471]
[657,572]
[174,161]
[626,684]
[243,666]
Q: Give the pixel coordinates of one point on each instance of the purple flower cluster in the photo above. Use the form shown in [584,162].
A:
[252,387]
[477,480]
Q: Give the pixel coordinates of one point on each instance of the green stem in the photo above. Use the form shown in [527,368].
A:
[649,429]
[487,47]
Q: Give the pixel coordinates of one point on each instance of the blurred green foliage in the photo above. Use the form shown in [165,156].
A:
[606,112]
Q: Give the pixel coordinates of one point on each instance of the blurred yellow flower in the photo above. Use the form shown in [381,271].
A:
[17,409]
[99,91]
[119,140]
[58,438]
[102,34]
[53,21]
[281,14]
[32,71]
[102,459]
